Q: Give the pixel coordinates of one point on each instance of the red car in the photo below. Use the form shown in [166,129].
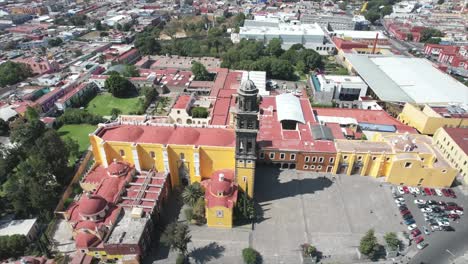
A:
[416,232]
[427,191]
[451,193]
[453,216]
[404,212]
[445,193]
[405,189]
[433,192]
[419,239]
[452,207]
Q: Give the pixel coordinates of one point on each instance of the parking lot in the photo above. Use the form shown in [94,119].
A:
[442,246]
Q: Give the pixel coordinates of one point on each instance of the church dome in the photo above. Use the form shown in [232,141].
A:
[248,86]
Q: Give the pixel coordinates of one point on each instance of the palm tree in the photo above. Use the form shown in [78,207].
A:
[177,236]
[192,193]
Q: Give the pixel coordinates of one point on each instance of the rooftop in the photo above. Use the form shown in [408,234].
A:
[169,134]
[16,227]
[128,230]
[401,79]
[459,136]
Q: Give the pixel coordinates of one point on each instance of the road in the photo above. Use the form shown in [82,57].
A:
[439,242]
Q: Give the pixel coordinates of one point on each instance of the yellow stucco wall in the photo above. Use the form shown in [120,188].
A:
[427,121]
[246,176]
[452,152]
[212,219]
[215,158]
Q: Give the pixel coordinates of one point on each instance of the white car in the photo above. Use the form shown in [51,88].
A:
[439,192]
[419,201]
[458,212]
[412,227]
[400,190]
[399,200]
[412,190]
[443,223]
[426,210]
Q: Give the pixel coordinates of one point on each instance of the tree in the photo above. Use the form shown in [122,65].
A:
[119,27]
[101,59]
[72,146]
[55,42]
[250,256]
[308,250]
[4,127]
[25,133]
[98,25]
[434,40]
[301,67]
[409,37]
[118,86]
[199,112]
[372,16]
[199,210]
[147,44]
[200,72]
[177,236]
[429,33]
[12,246]
[245,207]
[392,241]
[192,193]
[115,112]
[281,69]
[130,71]
[12,73]
[368,245]
[274,47]
[78,53]
[31,114]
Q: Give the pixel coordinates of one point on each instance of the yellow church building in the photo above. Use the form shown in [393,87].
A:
[403,159]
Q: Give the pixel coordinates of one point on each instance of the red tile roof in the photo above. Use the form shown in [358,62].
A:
[221,182]
[459,136]
[182,102]
[208,136]
[271,135]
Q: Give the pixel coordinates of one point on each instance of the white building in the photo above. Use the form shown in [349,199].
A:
[25,227]
[341,87]
[265,29]
[258,78]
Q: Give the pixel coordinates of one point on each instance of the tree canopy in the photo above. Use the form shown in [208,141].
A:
[199,112]
[368,245]
[147,44]
[130,71]
[429,33]
[55,42]
[12,246]
[392,241]
[177,236]
[200,72]
[119,86]
[12,73]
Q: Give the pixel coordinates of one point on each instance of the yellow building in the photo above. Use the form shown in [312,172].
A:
[453,144]
[403,159]
[427,119]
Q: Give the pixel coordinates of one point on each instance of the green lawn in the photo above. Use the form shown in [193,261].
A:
[78,133]
[102,104]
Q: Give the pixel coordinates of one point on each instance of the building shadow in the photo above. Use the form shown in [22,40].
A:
[206,253]
[268,186]
[169,214]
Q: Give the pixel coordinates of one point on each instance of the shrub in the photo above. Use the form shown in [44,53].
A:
[188,214]
[199,112]
[250,255]
[180,259]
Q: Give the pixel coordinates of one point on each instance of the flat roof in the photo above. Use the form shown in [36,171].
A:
[16,227]
[358,34]
[459,136]
[127,230]
[402,79]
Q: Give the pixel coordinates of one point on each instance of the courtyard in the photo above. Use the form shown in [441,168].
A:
[78,132]
[103,104]
[301,207]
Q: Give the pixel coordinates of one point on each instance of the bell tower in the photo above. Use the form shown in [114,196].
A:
[246,136]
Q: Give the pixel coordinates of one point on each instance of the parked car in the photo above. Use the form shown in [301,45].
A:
[402,207]
[439,192]
[399,200]
[421,206]
[405,212]
[400,190]
[426,210]
[409,221]
[452,204]
[451,208]
[412,227]
[407,216]
[433,191]
[458,212]
[419,201]
[428,218]
[443,223]
[426,231]
[416,232]
[405,189]
[436,209]
[448,228]
[419,239]
[427,191]
[434,227]
[441,203]
[421,245]
[414,190]
[451,193]
[431,202]
[445,192]
[454,216]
